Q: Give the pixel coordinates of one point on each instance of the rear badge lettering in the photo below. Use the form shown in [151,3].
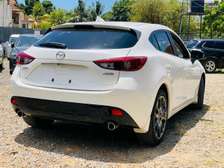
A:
[108,73]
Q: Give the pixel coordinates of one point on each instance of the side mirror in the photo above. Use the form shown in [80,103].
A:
[196,55]
[12,45]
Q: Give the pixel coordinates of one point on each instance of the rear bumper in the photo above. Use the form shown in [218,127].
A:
[70,111]
[134,97]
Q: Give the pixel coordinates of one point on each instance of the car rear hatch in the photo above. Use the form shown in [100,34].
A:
[72,66]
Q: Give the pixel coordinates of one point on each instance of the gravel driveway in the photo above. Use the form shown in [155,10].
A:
[194,139]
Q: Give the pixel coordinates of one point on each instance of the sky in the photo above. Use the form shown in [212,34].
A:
[70,4]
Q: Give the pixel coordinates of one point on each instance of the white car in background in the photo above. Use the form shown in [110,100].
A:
[136,75]
[1,56]
[12,41]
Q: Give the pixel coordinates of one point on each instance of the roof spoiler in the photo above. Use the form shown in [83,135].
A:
[99,19]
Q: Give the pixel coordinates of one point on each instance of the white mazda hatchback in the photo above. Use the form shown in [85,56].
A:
[120,74]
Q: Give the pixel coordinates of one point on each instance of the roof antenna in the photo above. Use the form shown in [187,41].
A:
[99,19]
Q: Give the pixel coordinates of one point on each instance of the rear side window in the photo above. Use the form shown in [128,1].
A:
[164,42]
[154,42]
[91,38]
[179,48]
[219,45]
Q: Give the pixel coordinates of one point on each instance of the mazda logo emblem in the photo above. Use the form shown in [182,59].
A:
[60,55]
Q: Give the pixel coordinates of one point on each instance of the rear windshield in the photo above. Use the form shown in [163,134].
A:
[92,38]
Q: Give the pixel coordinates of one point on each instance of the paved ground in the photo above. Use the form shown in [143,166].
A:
[194,139]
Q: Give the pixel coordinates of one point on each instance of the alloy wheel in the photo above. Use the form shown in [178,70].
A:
[210,66]
[160,117]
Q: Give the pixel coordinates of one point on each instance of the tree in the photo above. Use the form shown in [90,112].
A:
[107,16]
[121,10]
[166,12]
[57,17]
[148,11]
[38,10]
[214,21]
[45,23]
[98,8]
[48,6]
[28,7]
[81,12]
[95,11]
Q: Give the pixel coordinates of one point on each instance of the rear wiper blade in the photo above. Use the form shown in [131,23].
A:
[53,45]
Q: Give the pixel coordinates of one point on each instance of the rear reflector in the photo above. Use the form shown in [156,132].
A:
[117,112]
[123,63]
[23,58]
[13,101]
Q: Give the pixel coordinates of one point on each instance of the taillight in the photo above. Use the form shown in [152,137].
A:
[117,112]
[23,59]
[13,101]
[123,63]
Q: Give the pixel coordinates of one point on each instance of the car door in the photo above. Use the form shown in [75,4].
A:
[220,46]
[173,67]
[218,50]
[191,73]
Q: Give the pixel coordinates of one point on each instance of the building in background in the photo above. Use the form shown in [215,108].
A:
[5,14]
[12,16]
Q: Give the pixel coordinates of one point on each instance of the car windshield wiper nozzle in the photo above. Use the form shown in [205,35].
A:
[53,45]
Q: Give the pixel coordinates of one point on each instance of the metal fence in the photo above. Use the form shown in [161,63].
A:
[5,32]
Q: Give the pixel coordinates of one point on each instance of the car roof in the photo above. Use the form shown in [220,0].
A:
[119,25]
[30,35]
[15,35]
[19,35]
[202,40]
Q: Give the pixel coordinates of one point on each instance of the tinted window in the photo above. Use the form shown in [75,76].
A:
[219,45]
[177,49]
[209,44]
[164,42]
[178,46]
[91,38]
[154,42]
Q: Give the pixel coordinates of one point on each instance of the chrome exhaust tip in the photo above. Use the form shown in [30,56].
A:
[111,126]
[19,113]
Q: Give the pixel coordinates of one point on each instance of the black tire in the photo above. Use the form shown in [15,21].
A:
[152,137]
[201,93]
[210,66]
[1,67]
[10,67]
[36,122]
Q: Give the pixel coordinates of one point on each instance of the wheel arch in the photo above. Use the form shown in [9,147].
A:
[165,88]
[203,76]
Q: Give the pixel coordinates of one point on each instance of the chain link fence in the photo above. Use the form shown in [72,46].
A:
[5,32]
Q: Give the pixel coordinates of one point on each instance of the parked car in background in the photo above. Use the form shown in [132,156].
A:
[213,50]
[116,74]
[12,41]
[192,43]
[20,44]
[1,56]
